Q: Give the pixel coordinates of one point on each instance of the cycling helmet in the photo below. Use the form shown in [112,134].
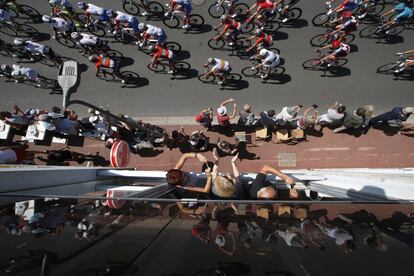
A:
[141,26]
[211,60]
[400,7]
[258,31]
[263,52]
[5,68]
[110,13]
[336,44]
[18,41]
[347,14]
[223,17]
[75,35]
[52,2]
[81,5]
[92,58]
[46,18]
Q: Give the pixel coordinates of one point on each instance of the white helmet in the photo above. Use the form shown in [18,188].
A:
[223,17]
[263,52]
[92,58]
[75,35]
[18,41]
[5,68]
[46,18]
[211,60]
[141,26]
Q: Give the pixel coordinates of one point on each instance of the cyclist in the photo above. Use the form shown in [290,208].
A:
[349,24]
[150,31]
[60,25]
[263,40]
[339,49]
[18,73]
[269,61]
[87,41]
[402,11]
[182,5]
[409,62]
[129,21]
[221,69]
[365,7]
[91,9]
[34,49]
[229,24]
[346,5]
[163,52]
[105,62]
[265,9]
[56,5]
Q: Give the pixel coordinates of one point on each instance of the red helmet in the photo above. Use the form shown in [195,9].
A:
[336,44]
[347,14]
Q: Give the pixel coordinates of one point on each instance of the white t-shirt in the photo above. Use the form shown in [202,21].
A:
[221,65]
[284,115]
[154,31]
[123,17]
[7,156]
[35,48]
[88,39]
[93,9]
[61,24]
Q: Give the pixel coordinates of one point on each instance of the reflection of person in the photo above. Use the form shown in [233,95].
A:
[262,189]
[342,237]
[202,230]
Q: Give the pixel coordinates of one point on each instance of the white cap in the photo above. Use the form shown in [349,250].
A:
[93,119]
[222,110]
[408,110]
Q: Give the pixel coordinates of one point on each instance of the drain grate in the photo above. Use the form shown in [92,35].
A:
[286,159]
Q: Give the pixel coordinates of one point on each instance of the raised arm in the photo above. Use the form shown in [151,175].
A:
[268,169]
[231,100]
[186,156]
[236,171]
[206,189]
[233,115]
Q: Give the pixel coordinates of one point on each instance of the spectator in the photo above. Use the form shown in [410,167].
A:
[205,118]
[45,122]
[56,113]
[247,116]
[263,189]
[222,117]
[287,115]
[268,119]
[68,124]
[15,154]
[333,116]
[198,141]
[397,114]
[19,122]
[102,125]
[305,122]
[353,120]
[226,147]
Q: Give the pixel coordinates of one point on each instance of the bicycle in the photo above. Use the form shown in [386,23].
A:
[39,82]
[152,9]
[15,29]
[324,17]
[77,19]
[315,64]
[252,72]
[219,44]
[268,27]
[321,40]
[125,77]
[285,14]
[100,28]
[162,66]
[24,12]
[150,45]
[172,21]
[393,67]
[369,11]
[52,60]
[379,31]
[230,79]
[218,9]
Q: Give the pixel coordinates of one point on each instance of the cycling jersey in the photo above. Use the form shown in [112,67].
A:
[343,50]
[36,48]
[155,32]
[186,5]
[87,39]
[404,15]
[163,52]
[104,62]
[61,24]
[25,72]
[265,39]
[272,59]
[265,5]
[94,10]
[221,65]
[124,17]
[64,3]
[348,5]
[4,15]
[232,24]
[350,25]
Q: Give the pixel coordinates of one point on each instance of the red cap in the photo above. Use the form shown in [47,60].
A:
[336,44]
[198,118]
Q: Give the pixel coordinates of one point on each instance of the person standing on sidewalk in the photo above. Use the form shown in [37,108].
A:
[268,119]
[354,120]
[397,114]
[246,116]
[287,115]
[222,117]
[205,118]
[333,116]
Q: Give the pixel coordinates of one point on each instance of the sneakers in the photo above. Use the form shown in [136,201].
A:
[284,20]
[166,14]
[399,69]
[170,72]
[186,26]
[220,82]
[231,44]
[145,13]
[362,15]
[264,76]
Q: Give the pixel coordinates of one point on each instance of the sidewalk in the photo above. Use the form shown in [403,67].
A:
[373,150]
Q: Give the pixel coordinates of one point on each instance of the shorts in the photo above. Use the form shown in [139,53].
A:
[350,6]
[404,16]
[275,63]
[350,28]
[134,26]
[161,38]
[341,54]
[267,13]
[187,9]
[20,154]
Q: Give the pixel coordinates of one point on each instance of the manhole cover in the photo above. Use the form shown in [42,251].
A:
[285,159]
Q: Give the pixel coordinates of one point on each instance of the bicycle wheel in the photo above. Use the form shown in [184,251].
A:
[181,66]
[27,31]
[206,79]
[131,7]
[387,69]
[349,38]
[311,64]
[216,11]
[249,71]
[29,13]
[248,27]
[320,19]
[173,46]
[105,75]
[294,13]
[278,70]
[7,30]
[370,31]
[396,29]
[130,77]
[48,62]
[196,21]
[171,22]
[241,9]
[216,44]
[97,29]
[48,83]
[319,40]
[65,41]
[234,77]
[157,67]
[340,62]
[155,9]
[82,18]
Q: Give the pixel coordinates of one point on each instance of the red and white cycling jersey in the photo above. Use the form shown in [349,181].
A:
[264,38]
[232,24]
[163,52]
[265,5]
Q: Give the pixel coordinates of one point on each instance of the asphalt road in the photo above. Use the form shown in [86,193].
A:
[161,96]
